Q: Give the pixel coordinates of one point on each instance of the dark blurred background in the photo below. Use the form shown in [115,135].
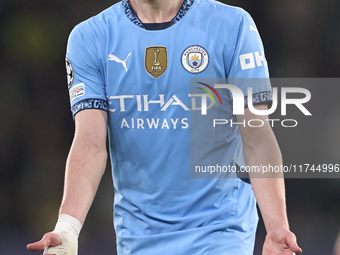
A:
[301,39]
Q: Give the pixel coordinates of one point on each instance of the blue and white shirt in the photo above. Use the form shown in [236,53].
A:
[142,75]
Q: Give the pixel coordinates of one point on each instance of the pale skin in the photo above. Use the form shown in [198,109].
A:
[87,160]
[337,246]
[260,148]
[85,167]
[156,11]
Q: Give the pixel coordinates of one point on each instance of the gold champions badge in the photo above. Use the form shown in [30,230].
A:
[156,60]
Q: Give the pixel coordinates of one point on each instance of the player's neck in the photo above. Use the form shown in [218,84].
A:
[156,11]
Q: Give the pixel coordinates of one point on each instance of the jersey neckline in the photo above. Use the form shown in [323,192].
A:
[132,16]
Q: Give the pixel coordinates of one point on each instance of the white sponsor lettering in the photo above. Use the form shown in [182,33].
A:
[200,101]
[152,123]
[251,60]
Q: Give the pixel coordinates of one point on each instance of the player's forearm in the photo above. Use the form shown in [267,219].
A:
[270,196]
[269,192]
[84,168]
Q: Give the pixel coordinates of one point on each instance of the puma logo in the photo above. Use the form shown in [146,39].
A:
[252,28]
[123,62]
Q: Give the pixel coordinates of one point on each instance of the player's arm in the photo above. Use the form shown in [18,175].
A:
[260,148]
[86,163]
[85,166]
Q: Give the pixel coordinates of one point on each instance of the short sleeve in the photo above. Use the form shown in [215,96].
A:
[84,73]
[248,67]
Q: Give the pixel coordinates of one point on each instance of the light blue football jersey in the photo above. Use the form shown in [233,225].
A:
[141,77]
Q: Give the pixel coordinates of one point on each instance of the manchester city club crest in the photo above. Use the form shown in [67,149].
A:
[195,59]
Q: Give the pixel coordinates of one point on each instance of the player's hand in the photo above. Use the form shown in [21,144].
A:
[56,244]
[280,241]
[63,240]
[49,239]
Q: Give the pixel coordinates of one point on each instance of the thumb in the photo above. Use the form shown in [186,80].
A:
[49,239]
[291,240]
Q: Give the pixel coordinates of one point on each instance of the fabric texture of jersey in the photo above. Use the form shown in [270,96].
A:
[142,79]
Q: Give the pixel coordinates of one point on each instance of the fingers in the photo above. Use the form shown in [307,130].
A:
[49,239]
[295,248]
[291,240]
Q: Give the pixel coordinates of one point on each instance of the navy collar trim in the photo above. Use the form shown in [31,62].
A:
[131,14]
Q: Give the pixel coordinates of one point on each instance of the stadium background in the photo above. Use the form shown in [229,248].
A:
[301,39]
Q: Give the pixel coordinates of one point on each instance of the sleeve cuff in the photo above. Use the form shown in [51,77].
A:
[260,97]
[98,104]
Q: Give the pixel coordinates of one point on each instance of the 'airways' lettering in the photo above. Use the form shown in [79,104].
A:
[152,123]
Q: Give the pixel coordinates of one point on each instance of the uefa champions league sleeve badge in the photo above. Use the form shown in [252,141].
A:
[69,72]
[195,59]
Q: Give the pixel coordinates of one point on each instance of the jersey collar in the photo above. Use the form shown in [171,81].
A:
[131,14]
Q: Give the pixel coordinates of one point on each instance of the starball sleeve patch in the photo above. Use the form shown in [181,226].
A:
[69,72]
